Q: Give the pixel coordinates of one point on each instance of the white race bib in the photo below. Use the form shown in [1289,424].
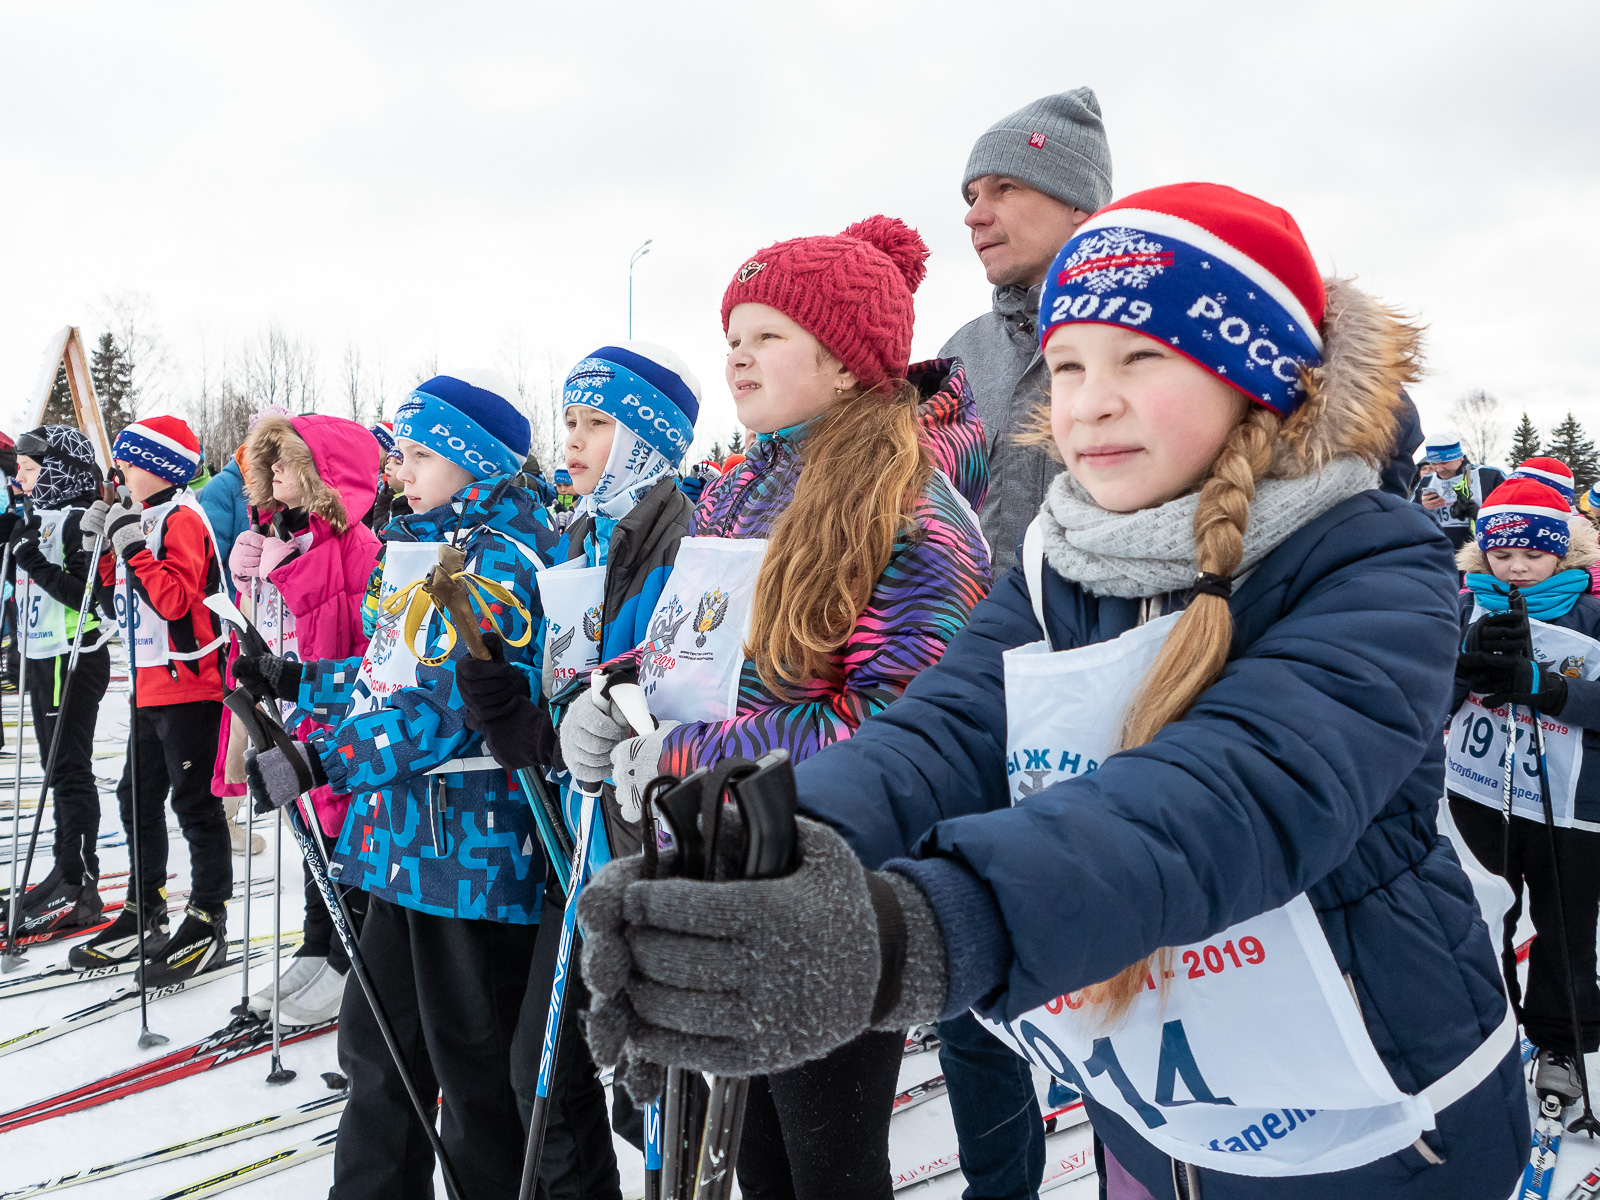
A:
[573,597]
[694,653]
[152,648]
[1475,756]
[45,623]
[389,664]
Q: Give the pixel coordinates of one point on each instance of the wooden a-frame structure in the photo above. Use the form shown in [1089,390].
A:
[66,349]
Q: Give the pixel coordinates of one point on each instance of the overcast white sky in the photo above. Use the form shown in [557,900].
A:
[445,179]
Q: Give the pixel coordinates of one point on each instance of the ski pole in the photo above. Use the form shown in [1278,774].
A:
[136,885]
[1511,754]
[265,732]
[279,1073]
[84,607]
[627,704]
[1585,1123]
[242,1010]
[11,960]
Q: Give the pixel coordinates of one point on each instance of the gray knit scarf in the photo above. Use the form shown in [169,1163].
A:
[1151,552]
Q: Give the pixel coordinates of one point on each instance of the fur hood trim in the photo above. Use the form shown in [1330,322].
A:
[1370,352]
[1582,552]
[275,439]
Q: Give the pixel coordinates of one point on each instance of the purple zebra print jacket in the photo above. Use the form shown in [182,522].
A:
[936,574]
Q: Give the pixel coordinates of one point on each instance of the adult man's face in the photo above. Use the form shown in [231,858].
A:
[1017,229]
[1445,470]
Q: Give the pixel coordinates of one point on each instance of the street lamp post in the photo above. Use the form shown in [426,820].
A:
[637,255]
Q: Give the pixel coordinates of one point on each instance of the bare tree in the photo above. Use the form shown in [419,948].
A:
[129,317]
[426,368]
[352,379]
[1477,418]
[220,413]
[282,371]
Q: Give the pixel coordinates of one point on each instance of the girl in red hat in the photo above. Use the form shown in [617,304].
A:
[826,571]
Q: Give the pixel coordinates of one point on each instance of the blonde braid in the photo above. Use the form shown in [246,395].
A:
[1197,648]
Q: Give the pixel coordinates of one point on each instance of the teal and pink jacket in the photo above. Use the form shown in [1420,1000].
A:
[937,573]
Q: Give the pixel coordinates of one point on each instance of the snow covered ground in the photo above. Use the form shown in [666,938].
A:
[922,1141]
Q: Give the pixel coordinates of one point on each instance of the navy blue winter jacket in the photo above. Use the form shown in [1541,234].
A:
[1314,764]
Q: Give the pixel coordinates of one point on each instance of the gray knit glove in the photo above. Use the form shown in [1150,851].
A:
[125,531]
[92,523]
[749,977]
[588,735]
[634,763]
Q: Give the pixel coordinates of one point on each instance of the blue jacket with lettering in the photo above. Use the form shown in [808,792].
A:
[472,850]
[1314,764]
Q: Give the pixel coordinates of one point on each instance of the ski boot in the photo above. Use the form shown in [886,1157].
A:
[315,1002]
[301,970]
[55,905]
[119,943]
[1555,1073]
[201,944]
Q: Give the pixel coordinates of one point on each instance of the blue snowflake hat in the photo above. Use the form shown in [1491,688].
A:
[1222,277]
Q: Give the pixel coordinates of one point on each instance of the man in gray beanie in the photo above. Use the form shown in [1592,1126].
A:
[1030,181]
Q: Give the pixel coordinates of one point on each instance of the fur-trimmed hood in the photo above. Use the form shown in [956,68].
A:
[1583,551]
[335,460]
[1353,398]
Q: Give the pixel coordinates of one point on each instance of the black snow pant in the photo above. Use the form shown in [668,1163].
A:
[580,1162]
[822,1129]
[452,990]
[1545,1010]
[320,939]
[76,795]
[177,749]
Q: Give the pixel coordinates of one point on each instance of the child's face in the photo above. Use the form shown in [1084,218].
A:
[286,486]
[589,436]
[1520,565]
[778,373]
[428,479]
[391,467]
[1137,423]
[27,473]
[141,483]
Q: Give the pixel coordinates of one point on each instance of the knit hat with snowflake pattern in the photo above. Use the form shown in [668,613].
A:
[1524,513]
[1223,278]
[1551,472]
[851,291]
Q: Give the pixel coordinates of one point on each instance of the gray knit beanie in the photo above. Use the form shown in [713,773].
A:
[1056,144]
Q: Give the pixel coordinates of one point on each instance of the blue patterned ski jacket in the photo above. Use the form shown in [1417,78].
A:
[481,858]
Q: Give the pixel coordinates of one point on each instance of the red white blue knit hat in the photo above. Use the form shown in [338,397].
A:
[1223,278]
[1550,471]
[1526,514]
[164,446]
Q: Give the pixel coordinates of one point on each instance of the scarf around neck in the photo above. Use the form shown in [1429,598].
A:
[1547,600]
[632,468]
[1151,552]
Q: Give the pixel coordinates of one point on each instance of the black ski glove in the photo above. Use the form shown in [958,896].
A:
[8,523]
[749,977]
[264,675]
[21,531]
[1533,685]
[1500,633]
[498,703]
[277,777]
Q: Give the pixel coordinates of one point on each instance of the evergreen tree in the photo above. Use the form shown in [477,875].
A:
[736,442]
[1524,443]
[111,371]
[716,452]
[1568,443]
[58,408]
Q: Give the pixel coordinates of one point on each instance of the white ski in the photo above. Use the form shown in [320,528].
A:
[124,1000]
[311,1110]
[281,1160]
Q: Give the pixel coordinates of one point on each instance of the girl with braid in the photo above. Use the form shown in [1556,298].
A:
[1164,814]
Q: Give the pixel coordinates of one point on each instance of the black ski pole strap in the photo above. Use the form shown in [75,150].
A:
[891,945]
